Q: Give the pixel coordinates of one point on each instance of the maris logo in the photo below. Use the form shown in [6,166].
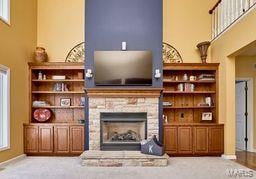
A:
[239,173]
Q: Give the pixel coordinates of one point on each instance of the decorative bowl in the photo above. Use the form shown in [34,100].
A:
[42,115]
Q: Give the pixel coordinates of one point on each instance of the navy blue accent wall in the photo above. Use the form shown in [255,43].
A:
[138,22]
[109,22]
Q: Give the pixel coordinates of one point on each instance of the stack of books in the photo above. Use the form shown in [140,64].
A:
[167,104]
[40,103]
[206,77]
[188,87]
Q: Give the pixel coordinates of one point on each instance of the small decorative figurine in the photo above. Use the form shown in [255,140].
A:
[40,76]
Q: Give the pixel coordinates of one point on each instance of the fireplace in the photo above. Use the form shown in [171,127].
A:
[122,131]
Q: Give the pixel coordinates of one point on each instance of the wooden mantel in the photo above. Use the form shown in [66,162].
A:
[124,92]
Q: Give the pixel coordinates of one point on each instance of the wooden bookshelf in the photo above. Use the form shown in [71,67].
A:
[188,92]
[53,81]
[185,132]
[57,92]
[44,90]
[62,134]
[186,104]
[58,107]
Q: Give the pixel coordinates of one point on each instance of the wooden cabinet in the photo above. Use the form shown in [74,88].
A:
[54,139]
[76,139]
[31,139]
[62,134]
[191,90]
[186,100]
[61,139]
[185,140]
[216,143]
[200,139]
[45,139]
[171,140]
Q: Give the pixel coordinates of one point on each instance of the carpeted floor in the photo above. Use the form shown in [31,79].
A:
[70,168]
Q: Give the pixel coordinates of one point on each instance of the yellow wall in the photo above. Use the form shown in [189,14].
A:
[17,42]
[245,69]
[60,26]
[224,51]
[186,23]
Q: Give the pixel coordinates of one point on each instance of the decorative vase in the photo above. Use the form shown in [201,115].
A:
[40,55]
[203,48]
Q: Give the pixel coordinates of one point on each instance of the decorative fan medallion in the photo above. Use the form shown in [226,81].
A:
[76,54]
[170,54]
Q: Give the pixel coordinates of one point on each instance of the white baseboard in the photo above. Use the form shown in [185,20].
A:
[229,157]
[20,157]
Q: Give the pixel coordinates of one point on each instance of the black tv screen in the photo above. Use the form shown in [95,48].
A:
[123,68]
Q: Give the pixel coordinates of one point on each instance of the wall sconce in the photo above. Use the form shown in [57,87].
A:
[124,46]
[157,74]
[89,73]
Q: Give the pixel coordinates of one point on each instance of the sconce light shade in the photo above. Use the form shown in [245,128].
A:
[203,48]
[124,46]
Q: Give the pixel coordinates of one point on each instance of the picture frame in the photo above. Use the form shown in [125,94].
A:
[207,116]
[65,102]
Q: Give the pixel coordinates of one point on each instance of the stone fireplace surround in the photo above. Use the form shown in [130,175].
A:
[127,100]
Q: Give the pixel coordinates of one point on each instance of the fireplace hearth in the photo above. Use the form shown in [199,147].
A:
[122,131]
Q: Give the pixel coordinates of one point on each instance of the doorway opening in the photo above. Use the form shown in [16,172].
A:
[244,114]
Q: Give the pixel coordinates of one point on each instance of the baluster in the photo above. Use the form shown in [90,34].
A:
[241,9]
[246,5]
[216,22]
[222,17]
[237,9]
[219,19]
[231,11]
[234,10]
[225,23]
[227,13]
[213,14]
[250,3]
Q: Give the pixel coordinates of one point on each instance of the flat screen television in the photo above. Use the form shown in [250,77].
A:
[123,68]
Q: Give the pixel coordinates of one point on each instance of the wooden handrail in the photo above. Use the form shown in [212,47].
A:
[214,7]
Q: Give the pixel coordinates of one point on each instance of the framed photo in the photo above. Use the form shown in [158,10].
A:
[206,116]
[65,102]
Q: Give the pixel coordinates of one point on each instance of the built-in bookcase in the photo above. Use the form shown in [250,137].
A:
[190,107]
[45,90]
[186,105]
[58,87]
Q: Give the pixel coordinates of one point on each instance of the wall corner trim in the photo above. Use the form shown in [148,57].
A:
[228,157]
[13,160]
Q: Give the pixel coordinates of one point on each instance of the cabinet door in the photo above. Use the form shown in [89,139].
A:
[200,140]
[45,139]
[31,139]
[216,140]
[61,139]
[185,140]
[170,140]
[76,139]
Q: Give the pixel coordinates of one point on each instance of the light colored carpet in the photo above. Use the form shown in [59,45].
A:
[70,168]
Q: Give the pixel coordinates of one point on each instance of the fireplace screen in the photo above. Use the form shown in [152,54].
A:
[123,131]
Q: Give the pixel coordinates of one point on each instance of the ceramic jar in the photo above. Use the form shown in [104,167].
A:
[40,55]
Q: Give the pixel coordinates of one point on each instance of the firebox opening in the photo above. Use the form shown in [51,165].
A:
[122,131]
